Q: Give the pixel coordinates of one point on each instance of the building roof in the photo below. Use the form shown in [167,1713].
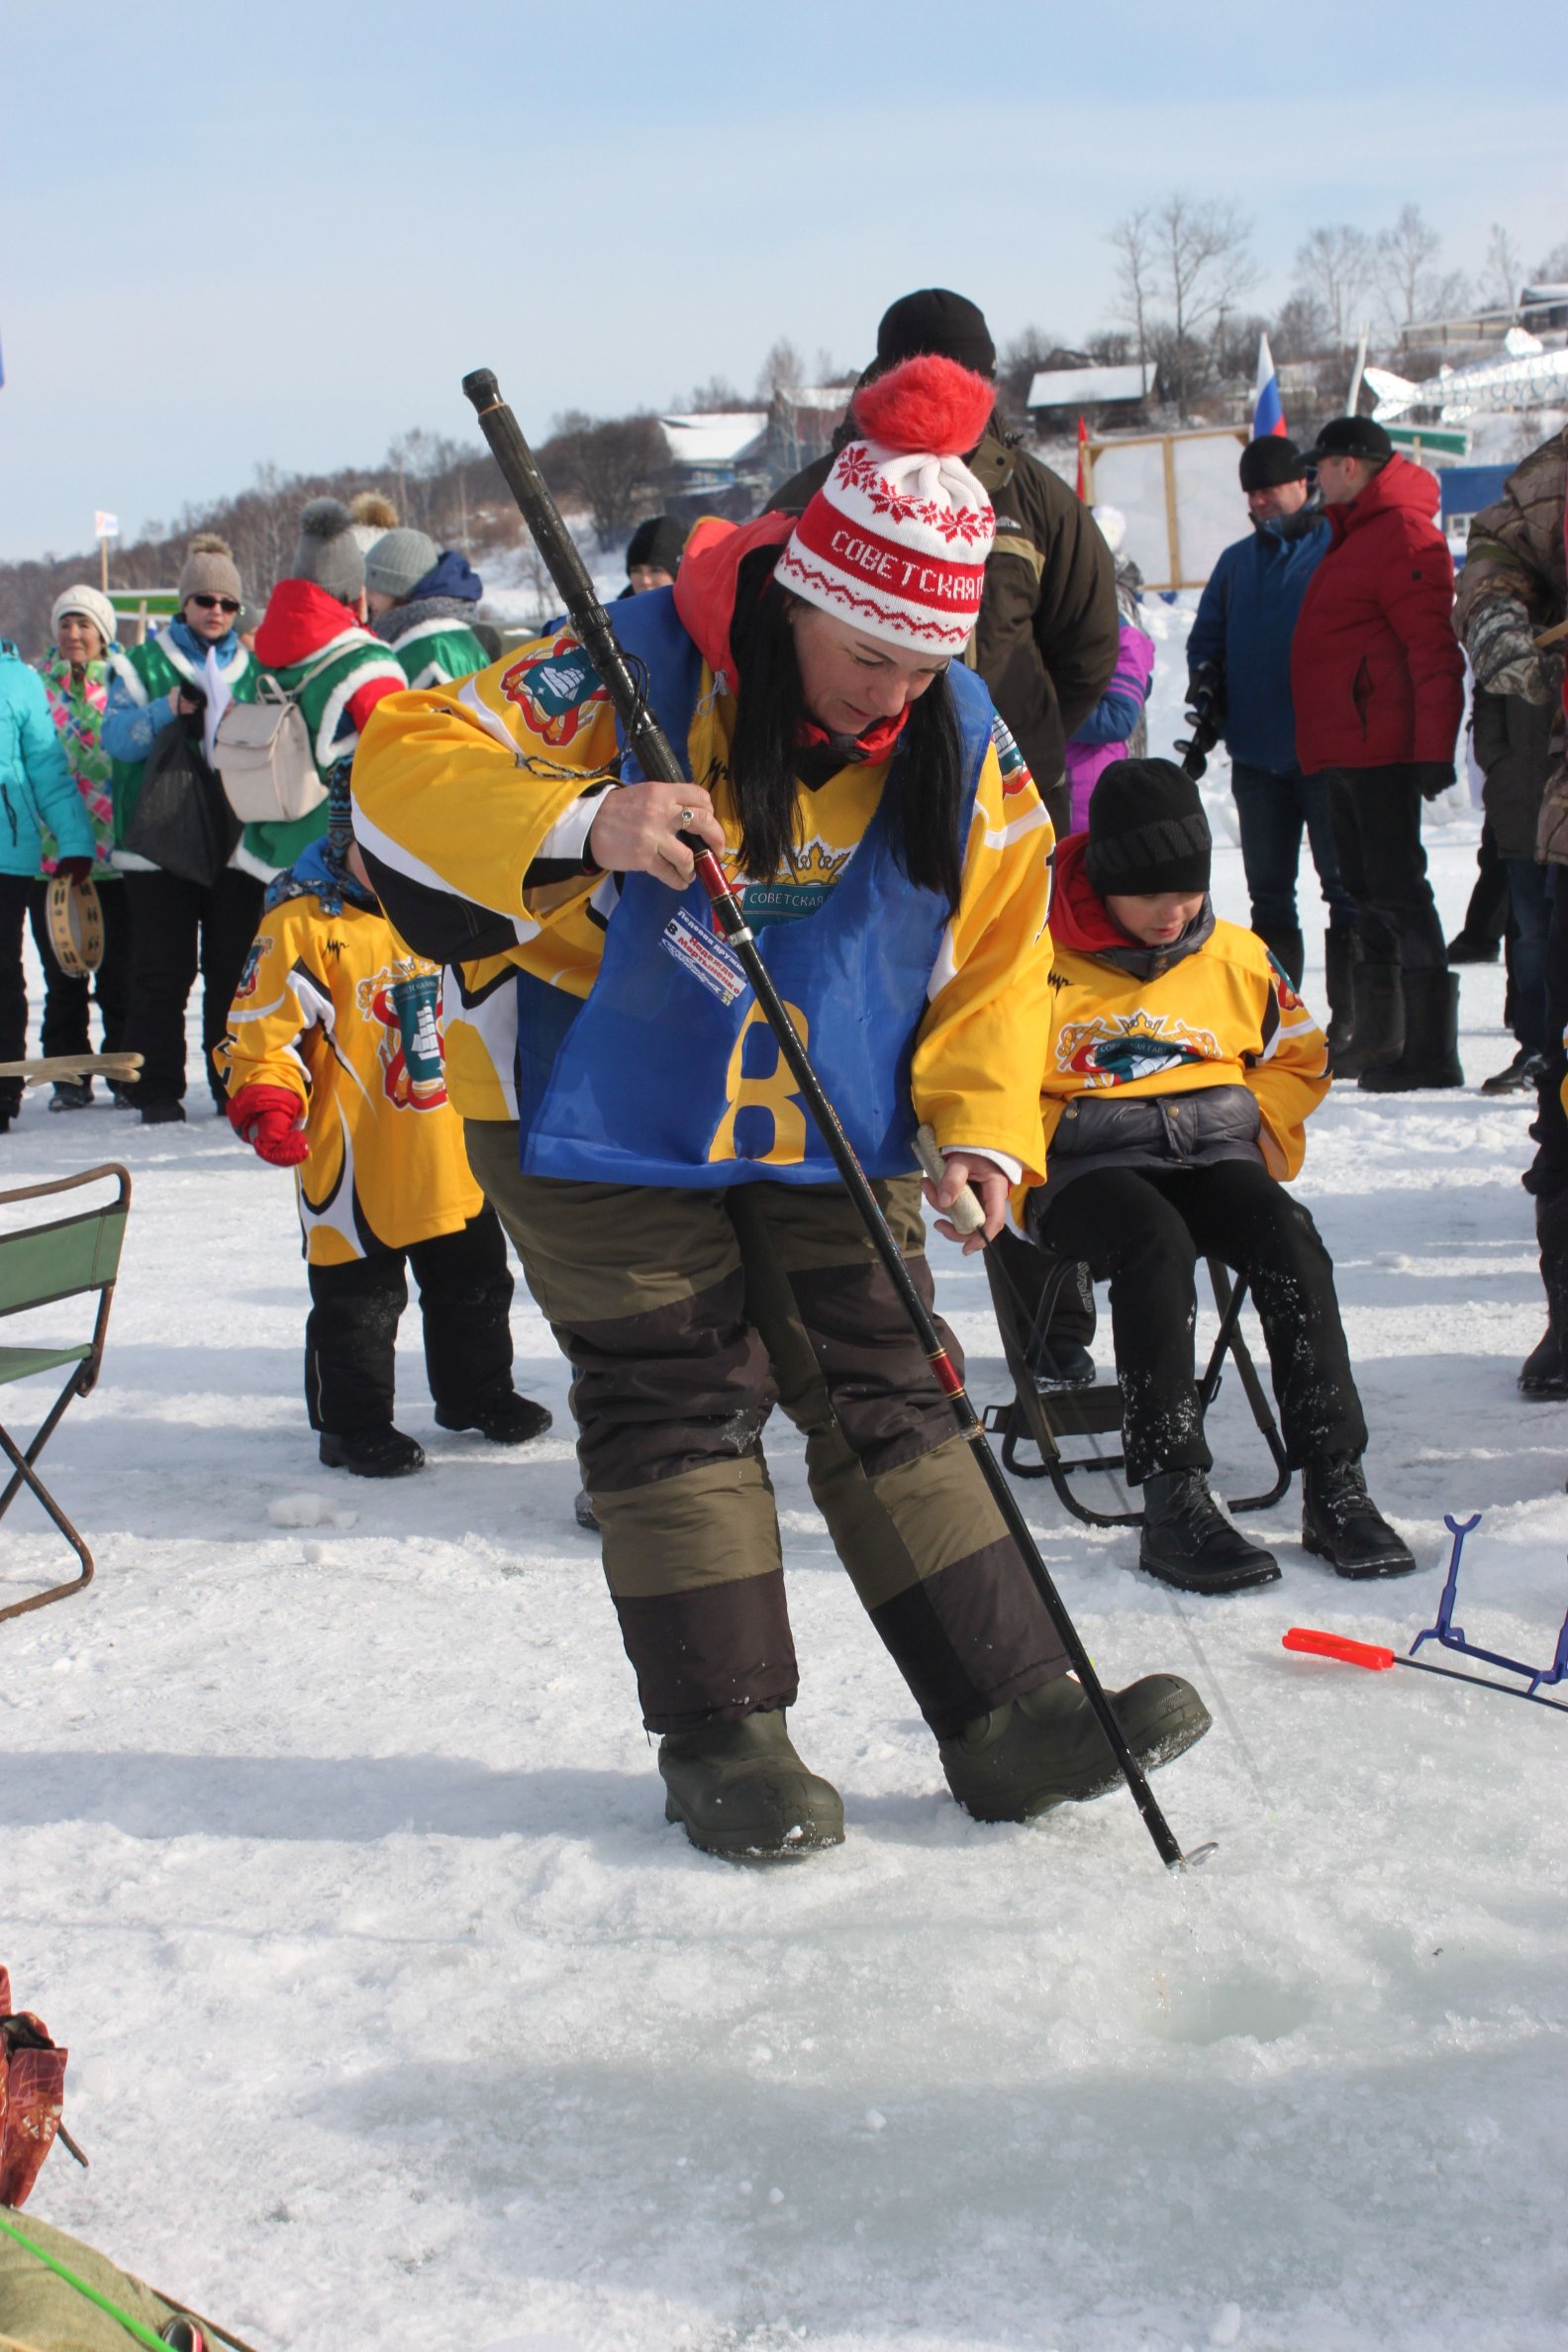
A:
[716,439]
[1091,387]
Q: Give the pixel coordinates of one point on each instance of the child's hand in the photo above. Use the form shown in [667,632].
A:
[267,1116]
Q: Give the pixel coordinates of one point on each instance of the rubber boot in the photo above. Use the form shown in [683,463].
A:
[1342,1524]
[1289,950]
[1187,1540]
[1544,1376]
[508,1419]
[1377,1019]
[1048,1749]
[1431,1055]
[1341,949]
[740,1788]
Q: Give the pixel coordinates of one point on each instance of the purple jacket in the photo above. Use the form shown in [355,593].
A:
[1104,735]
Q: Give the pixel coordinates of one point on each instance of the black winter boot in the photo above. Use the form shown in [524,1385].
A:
[71,1093]
[1377,1019]
[1289,950]
[1188,1542]
[371,1453]
[1048,1749]
[740,1788]
[1342,1524]
[1431,1055]
[511,1419]
[1341,949]
[1543,1377]
[162,1114]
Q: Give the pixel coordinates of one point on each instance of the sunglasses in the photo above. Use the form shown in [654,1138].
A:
[216,604]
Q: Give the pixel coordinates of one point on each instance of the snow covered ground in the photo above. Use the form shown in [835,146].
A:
[398,2016]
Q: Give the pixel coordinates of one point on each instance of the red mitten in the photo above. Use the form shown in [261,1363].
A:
[267,1117]
[74,869]
[32,2087]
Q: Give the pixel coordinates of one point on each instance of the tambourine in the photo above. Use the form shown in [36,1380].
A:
[75,925]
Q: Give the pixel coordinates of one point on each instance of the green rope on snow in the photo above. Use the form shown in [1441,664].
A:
[144,2335]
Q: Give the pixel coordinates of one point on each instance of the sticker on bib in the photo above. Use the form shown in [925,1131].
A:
[717,966]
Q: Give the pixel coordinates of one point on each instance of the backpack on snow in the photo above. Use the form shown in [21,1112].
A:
[262,752]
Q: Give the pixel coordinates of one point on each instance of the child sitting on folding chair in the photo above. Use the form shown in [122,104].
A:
[1180,1067]
[334,1067]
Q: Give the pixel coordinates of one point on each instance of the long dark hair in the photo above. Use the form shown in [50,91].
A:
[770,706]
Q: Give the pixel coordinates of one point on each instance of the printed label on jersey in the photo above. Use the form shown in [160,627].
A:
[1119,1049]
[1010,760]
[556,689]
[252,965]
[714,964]
[407,1004]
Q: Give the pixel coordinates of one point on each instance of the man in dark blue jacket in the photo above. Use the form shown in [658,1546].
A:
[1244,625]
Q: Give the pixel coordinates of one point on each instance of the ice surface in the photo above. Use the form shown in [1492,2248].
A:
[399,2017]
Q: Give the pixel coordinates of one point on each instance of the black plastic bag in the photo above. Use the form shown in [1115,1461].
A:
[183,823]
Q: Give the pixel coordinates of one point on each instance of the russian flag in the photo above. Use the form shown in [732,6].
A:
[1268,413]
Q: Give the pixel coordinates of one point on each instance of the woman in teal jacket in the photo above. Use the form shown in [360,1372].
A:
[37,789]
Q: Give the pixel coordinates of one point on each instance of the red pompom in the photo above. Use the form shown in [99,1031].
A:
[926,403]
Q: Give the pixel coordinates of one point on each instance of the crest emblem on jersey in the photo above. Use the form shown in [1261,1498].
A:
[253,966]
[407,1004]
[1010,760]
[1117,1049]
[556,689]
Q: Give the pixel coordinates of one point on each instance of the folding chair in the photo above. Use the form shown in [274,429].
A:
[40,1265]
[1043,1421]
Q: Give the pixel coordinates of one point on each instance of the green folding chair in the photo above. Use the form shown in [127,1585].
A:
[39,1266]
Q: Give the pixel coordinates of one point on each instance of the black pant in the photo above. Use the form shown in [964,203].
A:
[350,1335]
[1376,815]
[1145,1228]
[15,891]
[177,928]
[1272,809]
[67,995]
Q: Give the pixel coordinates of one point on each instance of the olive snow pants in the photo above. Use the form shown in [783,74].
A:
[686,1316]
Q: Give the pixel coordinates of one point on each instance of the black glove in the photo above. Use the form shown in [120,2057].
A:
[1432,776]
[74,869]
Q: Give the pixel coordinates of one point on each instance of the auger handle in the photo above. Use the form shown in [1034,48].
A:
[1336,1645]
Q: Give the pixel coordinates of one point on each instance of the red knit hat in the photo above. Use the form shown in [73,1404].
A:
[895,542]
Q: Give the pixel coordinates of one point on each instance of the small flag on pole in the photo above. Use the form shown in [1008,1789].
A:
[1083,457]
[105,526]
[1268,413]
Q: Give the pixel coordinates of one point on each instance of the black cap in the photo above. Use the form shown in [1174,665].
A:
[1267,462]
[1351,437]
[936,319]
[657,542]
[1147,832]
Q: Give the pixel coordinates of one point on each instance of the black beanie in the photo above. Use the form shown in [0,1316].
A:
[936,319]
[657,542]
[1147,832]
[1267,462]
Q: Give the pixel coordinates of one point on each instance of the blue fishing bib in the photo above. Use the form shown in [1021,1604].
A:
[668,1074]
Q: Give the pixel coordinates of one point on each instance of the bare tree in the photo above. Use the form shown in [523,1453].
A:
[1408,282]
[1133,239]
[1203,265]
[1501,272]
[610,468]
[1334,268]
[1553,271]
[716,397]
[783,370]
[1300,331]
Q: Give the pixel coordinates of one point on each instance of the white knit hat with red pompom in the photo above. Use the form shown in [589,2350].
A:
[895,542]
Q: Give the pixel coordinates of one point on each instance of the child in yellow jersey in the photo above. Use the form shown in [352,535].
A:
[334,1066]
[1179,1067]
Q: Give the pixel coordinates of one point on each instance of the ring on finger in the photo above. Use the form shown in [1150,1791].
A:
[686,818]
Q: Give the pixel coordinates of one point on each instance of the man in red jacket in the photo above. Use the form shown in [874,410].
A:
[1378,684]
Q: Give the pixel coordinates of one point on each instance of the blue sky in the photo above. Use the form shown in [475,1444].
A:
[283,235]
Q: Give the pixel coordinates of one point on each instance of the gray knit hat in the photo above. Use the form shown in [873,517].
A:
[326,552]
[399,560]
[209,569]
